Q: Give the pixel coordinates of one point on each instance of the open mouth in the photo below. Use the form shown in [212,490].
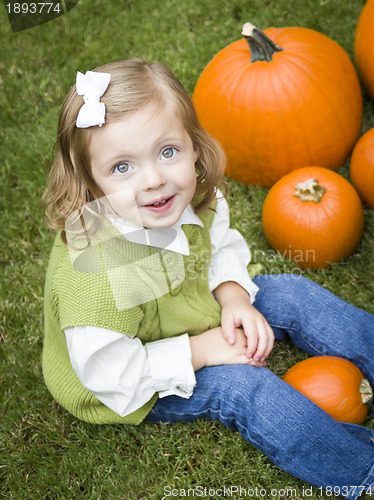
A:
[162,203]
[158,204]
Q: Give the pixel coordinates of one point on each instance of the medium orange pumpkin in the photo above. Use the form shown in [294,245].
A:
[364,43]
[279,100]
[334,384]
[362,167]
[313,216]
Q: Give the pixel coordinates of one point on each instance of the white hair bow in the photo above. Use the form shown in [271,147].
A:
[91,86]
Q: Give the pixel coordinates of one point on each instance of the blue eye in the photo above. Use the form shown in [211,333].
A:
[169,152]
[122,168]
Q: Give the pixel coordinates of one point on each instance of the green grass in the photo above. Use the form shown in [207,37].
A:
[44,452]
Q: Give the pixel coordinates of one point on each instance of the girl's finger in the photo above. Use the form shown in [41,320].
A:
[228,328]
[265,341]
[271,340]
[262,342]
[251,332]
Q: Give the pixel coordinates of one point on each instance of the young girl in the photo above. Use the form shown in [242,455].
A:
[150,313]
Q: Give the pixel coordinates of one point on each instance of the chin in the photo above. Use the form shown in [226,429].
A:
[163,222]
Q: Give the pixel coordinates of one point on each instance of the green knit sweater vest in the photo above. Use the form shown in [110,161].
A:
[133,289]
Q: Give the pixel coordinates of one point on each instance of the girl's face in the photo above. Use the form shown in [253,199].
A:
[145,165]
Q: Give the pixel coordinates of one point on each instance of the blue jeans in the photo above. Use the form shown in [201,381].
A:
[271,415]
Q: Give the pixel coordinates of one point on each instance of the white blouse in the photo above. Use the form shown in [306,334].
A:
[123,373]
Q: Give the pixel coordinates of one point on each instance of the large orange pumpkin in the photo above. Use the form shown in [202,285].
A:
[364,43]
[280,101]
[313,216]
[334,384]
[362,167]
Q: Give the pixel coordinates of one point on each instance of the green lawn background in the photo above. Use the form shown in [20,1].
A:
[44,452]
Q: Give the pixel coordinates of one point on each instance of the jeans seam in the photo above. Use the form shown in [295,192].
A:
[369,477]
[300,332]
[197,414]
[243,430]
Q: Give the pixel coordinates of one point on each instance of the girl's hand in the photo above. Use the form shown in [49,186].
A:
[211,348]
[237,311]
[260,337]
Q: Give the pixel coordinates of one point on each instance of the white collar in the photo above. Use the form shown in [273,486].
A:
[169,238]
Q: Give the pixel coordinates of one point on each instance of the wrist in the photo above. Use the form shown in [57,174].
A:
[197,352]
[230,291]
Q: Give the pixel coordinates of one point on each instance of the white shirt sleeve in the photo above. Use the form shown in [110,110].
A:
[123,373]
[230,252]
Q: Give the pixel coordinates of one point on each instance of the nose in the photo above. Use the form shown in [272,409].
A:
[152,177]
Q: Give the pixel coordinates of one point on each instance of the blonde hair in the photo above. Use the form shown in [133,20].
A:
[133,84]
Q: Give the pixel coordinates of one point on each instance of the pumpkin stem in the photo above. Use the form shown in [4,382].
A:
[261,47]
[366,391]
[310,190]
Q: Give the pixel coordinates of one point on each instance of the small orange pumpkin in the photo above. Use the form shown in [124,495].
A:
[362,167]
[363,49]
[279,100]
[335,384]
[313,216]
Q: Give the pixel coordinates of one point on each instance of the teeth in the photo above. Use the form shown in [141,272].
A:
[161,203]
